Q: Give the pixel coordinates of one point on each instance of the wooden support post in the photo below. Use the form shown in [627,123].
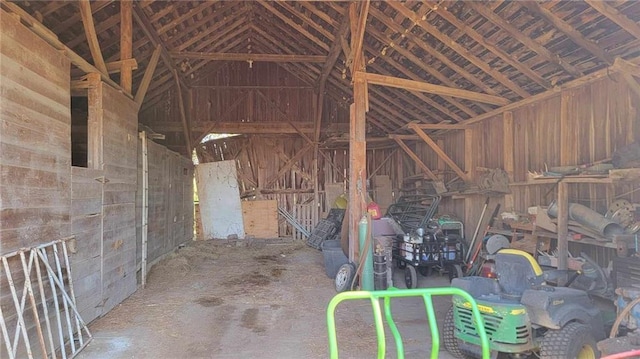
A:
[507,153]
[357,166]
[563,224]
[126,43]
[183,116]
[470,202]
[567,142]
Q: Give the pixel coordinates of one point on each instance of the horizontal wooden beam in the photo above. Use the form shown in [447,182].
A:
[116,66]
[390,81]
[440,126]
[587,79]
[247,57]
[237,127]
[252,87]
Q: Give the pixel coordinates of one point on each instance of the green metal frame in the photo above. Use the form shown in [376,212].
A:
[425,293]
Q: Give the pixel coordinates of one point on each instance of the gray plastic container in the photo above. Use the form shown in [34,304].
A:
[334,257]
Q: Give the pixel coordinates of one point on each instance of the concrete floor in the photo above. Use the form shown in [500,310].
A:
[266,299]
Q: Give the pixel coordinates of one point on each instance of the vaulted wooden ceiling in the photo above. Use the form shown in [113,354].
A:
[506,49]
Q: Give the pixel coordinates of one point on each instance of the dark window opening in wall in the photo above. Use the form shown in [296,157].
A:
[79,131]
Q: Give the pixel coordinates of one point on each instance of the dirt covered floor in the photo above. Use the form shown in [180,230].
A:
[264,299]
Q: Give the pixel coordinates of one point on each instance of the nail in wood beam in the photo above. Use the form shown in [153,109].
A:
[183,116]
[92,37]
[148,76]
[126,43]
[397,82]
[434,146]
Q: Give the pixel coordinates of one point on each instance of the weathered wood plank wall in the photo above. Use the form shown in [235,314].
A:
[120,146]
[600,118]
[35,153]
[35,177]
[170,202]
[44,198]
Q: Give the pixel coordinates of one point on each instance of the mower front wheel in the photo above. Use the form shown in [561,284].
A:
[411,277]
[449,336]
[574,340]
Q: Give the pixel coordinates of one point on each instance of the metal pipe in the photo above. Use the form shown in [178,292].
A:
[589,218]
[65,301]
[65,254]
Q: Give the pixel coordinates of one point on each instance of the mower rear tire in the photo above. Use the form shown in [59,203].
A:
[410,277]
[449,336]
[455,271]
[574,340]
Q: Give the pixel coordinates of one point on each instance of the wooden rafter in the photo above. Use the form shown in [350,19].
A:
[268,6]
[164,83]
[444,12]
[405,53]
[617,17]
[248,57]
[421,97]
[479,63]
[92,36]
[515,33]
[434,146]
[430,88]
[73,19]
[432,51]
[568,30]
[148,29]
[216,30]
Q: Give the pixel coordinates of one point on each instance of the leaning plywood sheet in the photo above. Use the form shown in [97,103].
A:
[260,218]
[220,206]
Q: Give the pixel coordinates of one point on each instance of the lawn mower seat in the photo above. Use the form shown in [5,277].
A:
[516,272]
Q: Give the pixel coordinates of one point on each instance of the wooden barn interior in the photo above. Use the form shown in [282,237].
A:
[108,108]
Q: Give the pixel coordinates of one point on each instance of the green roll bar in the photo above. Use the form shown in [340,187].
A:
[425,293]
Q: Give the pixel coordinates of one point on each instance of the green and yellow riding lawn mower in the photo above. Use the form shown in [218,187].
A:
[523,315]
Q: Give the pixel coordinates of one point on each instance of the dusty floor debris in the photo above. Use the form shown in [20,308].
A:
[268,300]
